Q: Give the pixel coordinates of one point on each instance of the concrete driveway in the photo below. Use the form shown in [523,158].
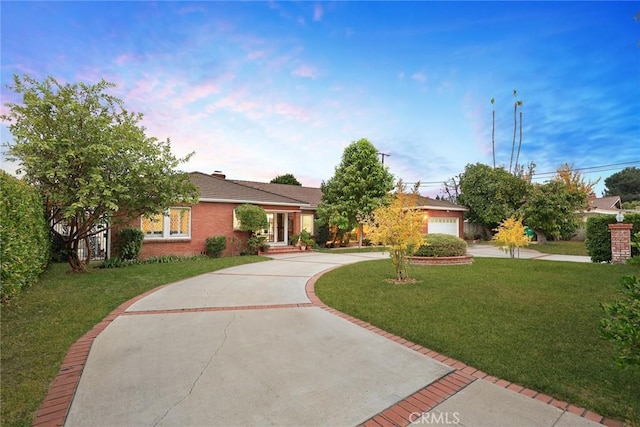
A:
[252,346]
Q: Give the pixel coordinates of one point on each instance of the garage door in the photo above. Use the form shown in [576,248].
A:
[443,225]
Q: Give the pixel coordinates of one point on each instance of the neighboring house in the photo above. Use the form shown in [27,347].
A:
[610,205]
[182,230]
[442,217]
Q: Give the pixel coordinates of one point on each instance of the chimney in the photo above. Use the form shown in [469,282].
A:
[218,174]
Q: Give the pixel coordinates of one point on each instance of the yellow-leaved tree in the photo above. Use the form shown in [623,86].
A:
[511,235]
[399,226]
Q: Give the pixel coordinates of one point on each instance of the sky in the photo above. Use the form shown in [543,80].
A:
[261,89]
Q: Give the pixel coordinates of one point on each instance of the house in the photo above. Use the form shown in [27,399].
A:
[441,216]
[610,205]
[183,229]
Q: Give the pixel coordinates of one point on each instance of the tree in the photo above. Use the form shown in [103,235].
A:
[398,225]
[359,185]
[625,184]
[552,209]
[287,179]
[253,219]
[574,180]
[516,104]
[491,195]
[622,324]
[511,235]
[90,159]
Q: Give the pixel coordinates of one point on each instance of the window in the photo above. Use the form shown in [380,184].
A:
[307,222]
[174,223]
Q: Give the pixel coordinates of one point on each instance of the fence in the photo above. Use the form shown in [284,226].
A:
[98,241]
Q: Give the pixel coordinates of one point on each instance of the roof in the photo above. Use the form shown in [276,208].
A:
[217,189]
[311,195]
[605,203]
[438,205]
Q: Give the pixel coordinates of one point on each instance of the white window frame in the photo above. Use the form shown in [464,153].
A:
[166,226]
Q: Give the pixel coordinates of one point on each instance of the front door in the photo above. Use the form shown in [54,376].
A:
[279,225]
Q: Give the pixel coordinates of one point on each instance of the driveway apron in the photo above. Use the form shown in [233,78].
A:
[245,346]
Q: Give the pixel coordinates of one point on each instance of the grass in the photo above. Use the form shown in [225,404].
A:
[562,248]
[530,322]
[40,325]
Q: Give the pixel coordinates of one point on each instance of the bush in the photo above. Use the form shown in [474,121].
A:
[24,236]
[598,235]
[116,262]
[622,326]
[441,245]
[215,245]
[129,243]
[256,244]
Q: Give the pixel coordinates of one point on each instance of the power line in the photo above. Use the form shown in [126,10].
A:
[591,169]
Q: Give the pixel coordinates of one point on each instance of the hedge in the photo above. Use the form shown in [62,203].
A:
[24,236]
[598,235]
[442,245]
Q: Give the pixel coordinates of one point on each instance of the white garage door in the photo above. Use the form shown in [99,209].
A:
[443,225]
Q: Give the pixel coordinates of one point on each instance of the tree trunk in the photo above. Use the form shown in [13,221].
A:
[541,237]
[360,232]
[87,245]
[77,266]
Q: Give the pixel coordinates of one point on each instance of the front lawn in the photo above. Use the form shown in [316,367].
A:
[39,326]
[530,322]
[562,247]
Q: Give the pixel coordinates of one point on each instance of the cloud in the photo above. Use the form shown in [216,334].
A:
[305,71]
[419,77]
[317,12]
[256,54]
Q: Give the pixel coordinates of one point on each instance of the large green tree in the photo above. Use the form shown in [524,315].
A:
[552,209]
[360,185]
[90,158]
[625,184]
[287,179]
[491,195]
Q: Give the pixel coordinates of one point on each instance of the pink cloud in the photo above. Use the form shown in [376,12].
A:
[305,71]
[289,111]
[256,54]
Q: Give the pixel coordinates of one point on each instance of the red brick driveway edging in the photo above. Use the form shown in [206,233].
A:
[56,405]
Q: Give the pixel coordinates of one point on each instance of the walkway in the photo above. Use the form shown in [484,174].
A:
[252,346]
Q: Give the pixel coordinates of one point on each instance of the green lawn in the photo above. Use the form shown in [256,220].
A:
[40,325]
[530,322]
[562,248]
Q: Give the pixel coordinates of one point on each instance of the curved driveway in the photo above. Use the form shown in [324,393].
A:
[251,346]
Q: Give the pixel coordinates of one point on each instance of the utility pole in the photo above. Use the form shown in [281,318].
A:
[383,155]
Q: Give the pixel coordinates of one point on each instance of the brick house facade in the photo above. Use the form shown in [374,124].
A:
[182,230]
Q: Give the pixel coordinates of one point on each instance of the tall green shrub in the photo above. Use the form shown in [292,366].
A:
[598,236]
[24,236]
[129,243]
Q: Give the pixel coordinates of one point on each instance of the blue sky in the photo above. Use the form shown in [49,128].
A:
[260,89]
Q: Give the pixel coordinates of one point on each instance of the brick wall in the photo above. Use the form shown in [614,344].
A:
[620,242]
[207,220]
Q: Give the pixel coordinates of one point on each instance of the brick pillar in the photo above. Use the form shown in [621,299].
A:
[620,242]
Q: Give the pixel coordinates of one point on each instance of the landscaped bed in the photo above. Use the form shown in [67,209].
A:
[530,322]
